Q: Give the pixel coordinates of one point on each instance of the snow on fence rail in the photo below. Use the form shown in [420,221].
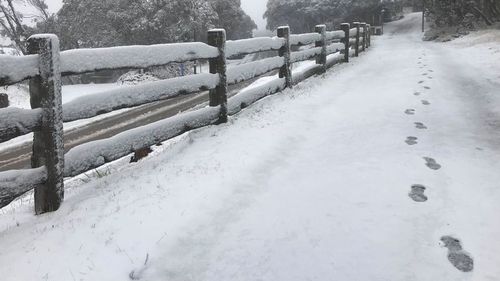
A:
[130,96]
[246,71]
[304,39]
[305,55]
[94,154]
[335,35]
[89,60]
[253,45]
[17,121]
[45,65]
[15,69]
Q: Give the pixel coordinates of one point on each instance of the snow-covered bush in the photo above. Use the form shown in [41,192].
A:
[156,73]
[135,77]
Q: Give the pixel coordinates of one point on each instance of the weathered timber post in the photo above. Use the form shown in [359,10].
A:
[4,100]
[285,70]
[218,96]
[423,15]
[48,145]
[321,59]
[368,35]
[363,27]
[382,16]
[346,28]
[356,45]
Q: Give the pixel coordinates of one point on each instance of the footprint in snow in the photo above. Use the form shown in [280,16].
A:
[430,70]
[459,258]
[425,102]
[416,93]
[410,111]
[420,125]
[430,77]
[411,140]
[425,74]
[417,193]
[431,163]
[427,87]
[421,81]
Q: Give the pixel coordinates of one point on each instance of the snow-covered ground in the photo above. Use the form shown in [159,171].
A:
[308,184]
[19,94]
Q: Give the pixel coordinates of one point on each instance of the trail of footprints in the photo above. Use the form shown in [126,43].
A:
[459,258]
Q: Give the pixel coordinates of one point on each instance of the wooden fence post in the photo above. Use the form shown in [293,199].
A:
[346,28]
[356,46]
[48,145]
[321,59]
[4,100]
[285,70]
[218,96]
[363,27]
[368,35]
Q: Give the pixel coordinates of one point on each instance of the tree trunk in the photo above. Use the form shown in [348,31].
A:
[485,18]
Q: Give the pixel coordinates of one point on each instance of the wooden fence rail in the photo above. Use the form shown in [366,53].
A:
[45,65]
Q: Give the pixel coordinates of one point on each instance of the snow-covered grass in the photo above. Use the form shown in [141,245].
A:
[481,51]
[308,184]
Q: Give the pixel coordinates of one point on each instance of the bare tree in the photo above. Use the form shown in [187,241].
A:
[41,7]
[11,20]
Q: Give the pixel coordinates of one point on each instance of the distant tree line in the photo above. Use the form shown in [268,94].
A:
[303,15]
[463,12]
[103,23]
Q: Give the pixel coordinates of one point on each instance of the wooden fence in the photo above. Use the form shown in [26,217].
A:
[45,66]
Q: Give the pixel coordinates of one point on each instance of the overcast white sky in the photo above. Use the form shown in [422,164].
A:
[254,8]
[54,5]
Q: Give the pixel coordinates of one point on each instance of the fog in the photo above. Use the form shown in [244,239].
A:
[255,9]
[54,5]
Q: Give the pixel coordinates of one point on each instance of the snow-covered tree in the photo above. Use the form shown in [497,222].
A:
[303,15]
[463,12]
[90,23]
[85,23]
[148,22]
[231,17]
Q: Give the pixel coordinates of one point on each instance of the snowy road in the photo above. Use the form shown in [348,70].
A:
[309,184]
